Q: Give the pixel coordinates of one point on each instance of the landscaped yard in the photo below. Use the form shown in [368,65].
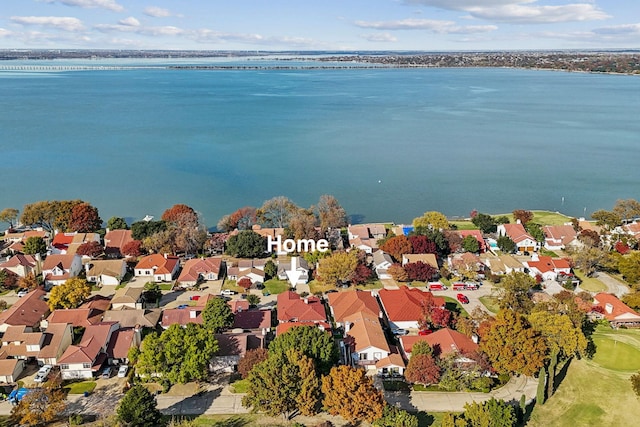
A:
[492,303]
[374,284]
[80,387]
[275,286]
[590,284]
[597,392]
[452,304]
[231,285]
[239,386]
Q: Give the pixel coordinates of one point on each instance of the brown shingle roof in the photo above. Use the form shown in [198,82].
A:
[28,310]
[366,332]
[193,268]
[252,319]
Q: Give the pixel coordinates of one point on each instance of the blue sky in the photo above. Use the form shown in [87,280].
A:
[320,24]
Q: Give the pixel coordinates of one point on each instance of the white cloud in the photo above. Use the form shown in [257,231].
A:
[434,26]
[519,11]
[130,21]
[60,23]
[4,33]
[91,4]
[380,37]
[622,30]
[156,12]
[147,31]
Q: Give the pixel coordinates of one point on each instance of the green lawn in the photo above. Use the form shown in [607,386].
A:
[375,284]
[240,386]
[597,392]
[491,303]
[80,387]
[463,225]
[275,286]
[452,304]
[543,217]
[590,284]
[231,285]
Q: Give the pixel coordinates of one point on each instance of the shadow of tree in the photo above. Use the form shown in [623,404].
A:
[425,419]
[193,405]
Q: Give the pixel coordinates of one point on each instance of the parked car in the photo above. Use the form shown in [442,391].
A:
[22,293]
[122,371]
[471,286]
[227,292]
[437,286]
[42,374]
[462,298]
[399,331]
[425,332]
[195,298]
[459,286]
[107,372]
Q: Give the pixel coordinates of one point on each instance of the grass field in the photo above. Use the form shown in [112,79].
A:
[491,303]
[597,392]
[80,387]
[275,286]
[590,284]
[539,217]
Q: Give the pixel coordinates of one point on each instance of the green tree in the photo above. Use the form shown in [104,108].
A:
[253,299]
[337,268]
[588,259]
[492,413]
[50,215]
[9,215]
[283,384]
[515,292]
[607,219]
[270,269]
[561,336]
[541,391]
[217,315]
[152,292]
[421,347]
[632,300]
[396,417]
[310,341]
[348,392]
[140,230]
[70,294]
[139,408]
[512,346]
[486,223]
[535,230]
[506,245]
[180,354]
[85,218]
[627,209]
[629,267]
[432,219]
[117,223]
[34,245]
[635,383]
[470,244]
[247,244]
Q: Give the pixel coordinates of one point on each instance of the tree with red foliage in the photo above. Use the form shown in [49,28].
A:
[8,278]
[420,271]
[598,309]
[590,238]
[422,245]
[474,213]
[523,215]
[91,249]
[422,369]
[433,316]
[132,248]
[245,283]
[361,274]
[397,246]
[397,273]
[244,218]
[85,218]
[622,248]
[180,215]
[454,240]
[250,359]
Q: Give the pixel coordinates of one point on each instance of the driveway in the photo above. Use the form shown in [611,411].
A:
[614,286]
[487,289]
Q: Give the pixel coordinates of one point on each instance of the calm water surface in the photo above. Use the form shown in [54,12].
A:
[388,143]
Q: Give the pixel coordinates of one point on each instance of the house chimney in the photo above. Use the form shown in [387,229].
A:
[347,327]
[193,314]
[474,338]
[608,307]
[518,221]
[534,257]
[306,300]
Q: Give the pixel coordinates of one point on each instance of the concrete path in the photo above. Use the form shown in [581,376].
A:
[614,286]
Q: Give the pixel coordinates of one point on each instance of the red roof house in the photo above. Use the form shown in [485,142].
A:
[344,304]
[199,269]
[162,268]
[615,311]
[292,308]
[403,307]
[523,240]
[443,342]
[27,311]
[115,240]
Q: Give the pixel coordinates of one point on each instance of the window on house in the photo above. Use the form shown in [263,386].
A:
[86,365]
[63,366]
[363,356]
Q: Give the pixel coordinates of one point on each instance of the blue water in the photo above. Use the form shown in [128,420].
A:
[388,143]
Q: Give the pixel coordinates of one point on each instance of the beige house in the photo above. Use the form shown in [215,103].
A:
[128,297]
[106,272]
[10,370]
[23,265]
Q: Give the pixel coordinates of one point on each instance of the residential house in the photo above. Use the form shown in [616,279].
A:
[130,318]
[10,370]
[548,268]
[57,338]
[23,265]
[559,237]
[365,236]
[129,297]
[477,234]
[238,305]
[403,307]
[56,269]
[466,264]
[523,240]
[381,263]
[252,269]
[106,272]
[301,265]
[68,243]
[231,349]
[89,313]
[424,258]
[13,243]
[200,269]
[504,264]
[160,268]
[253,320]
[292,308]
[348,303]
[27,311]
[87,358]
[45,347]
[115,241]
[615,311]
[182,316]
[443,342]
[122,340]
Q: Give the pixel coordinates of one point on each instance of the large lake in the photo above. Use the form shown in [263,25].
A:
[388,143]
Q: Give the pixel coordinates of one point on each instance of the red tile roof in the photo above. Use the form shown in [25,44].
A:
[347,303]
[62,261]
[95,337]
[477,234]
[517,233]
[120,343]
[292,308]
[115,240]
[252,319]
[20,260]
[405,304]
[614,309]
[163,265]
[181,316]
[62,240]
[365,331]
[238,305]
[546,263]
[443,342]
[28,310]
[563,234]
[76,316]
[194,268]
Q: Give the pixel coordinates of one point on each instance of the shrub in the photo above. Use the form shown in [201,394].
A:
[75,419]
